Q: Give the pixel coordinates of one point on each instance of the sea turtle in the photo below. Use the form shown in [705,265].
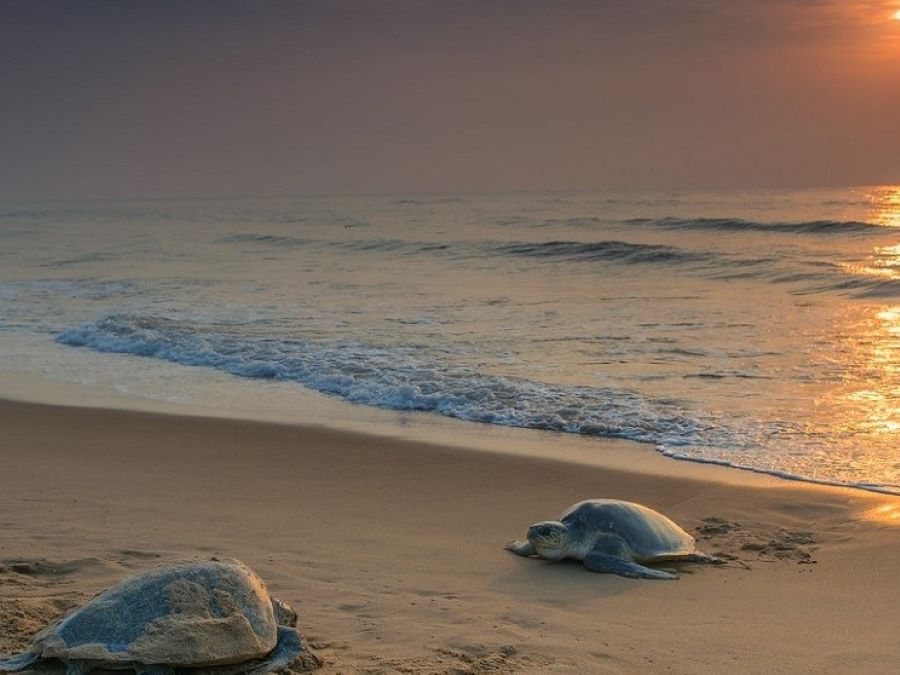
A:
[211,616]
[612,536]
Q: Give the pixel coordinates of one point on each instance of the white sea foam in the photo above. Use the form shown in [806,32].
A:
[787,475]
[395,378]
[401,378]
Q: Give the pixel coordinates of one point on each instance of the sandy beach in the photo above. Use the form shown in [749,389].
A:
[355,293]
[393,550]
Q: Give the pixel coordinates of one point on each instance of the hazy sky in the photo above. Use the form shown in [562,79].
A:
[155,98]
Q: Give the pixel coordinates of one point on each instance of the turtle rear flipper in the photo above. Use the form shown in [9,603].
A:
[702,558]
[286,650]
[611,564]
[282,658]
[11,664]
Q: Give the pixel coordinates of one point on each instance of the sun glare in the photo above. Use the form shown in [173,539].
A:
[897,15]
[885,206]
[888,514]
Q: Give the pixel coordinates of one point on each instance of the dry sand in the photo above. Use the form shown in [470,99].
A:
[392,550]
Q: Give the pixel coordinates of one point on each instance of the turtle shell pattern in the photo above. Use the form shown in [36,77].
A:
[648,533]
[185,615]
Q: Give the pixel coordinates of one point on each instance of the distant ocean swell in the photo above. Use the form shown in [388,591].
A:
[602,250]
[739,225]
[613,251]
[808,276]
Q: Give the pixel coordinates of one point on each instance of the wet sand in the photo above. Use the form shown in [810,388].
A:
[392,550]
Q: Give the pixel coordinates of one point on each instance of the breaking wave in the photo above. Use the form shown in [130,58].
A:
[397,378]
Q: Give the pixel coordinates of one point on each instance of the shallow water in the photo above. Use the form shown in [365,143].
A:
[756,329]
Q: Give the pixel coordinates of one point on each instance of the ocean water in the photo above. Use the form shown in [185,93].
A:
[754,329]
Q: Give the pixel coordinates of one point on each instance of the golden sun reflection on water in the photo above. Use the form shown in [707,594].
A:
[891,320]
[885,207]
[877,403]
[864,407]
[884,263]
[883,365]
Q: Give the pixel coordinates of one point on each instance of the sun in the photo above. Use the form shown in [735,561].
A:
[897,15]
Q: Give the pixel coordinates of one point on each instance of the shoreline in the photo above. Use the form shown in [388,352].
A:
[425,427]
[391,549]
[332,414]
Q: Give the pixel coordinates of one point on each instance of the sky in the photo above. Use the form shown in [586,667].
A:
[215,97]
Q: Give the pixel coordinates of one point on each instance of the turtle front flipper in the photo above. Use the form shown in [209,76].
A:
[521,548]
[287,649]
[611,564]
[610,555]
[11,664]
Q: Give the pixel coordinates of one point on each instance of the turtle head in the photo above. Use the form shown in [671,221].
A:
[550,539]
[284,613]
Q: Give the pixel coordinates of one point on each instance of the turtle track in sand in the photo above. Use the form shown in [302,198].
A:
[733,540]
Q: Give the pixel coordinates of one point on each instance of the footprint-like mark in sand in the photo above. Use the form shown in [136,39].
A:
[41,567]
[138,554]
[482,659]
[463,660]
[27,603]
[757,542]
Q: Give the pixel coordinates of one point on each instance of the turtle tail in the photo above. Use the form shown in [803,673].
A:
[11,664]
